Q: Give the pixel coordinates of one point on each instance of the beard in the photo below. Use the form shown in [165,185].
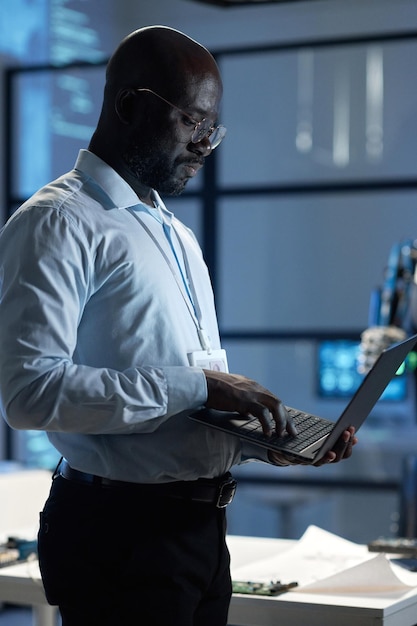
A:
[153,168]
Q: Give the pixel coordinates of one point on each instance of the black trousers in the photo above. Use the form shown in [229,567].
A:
[109,558]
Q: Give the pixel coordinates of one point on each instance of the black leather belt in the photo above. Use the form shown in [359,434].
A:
[218,491]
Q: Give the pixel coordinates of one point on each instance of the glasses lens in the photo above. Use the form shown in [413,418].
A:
[217,136]
[205,129]
[201,130]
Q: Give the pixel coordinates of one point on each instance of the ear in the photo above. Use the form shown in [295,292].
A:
[124,105]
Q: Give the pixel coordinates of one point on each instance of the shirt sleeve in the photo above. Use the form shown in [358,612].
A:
[45,287]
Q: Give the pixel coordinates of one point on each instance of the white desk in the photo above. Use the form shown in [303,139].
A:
[23,493]
[21,584]
[300,609]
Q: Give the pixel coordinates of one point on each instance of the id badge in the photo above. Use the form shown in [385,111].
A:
[216,360]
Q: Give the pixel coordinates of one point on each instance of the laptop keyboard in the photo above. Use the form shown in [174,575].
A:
[310,429]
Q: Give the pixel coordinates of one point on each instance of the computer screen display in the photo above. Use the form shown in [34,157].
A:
[338,375]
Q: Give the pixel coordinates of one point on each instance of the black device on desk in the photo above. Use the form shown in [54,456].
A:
[394,545]
[397,545]
[16,550]
[262,589]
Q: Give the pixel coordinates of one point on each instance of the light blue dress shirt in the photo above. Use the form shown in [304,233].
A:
[96,328]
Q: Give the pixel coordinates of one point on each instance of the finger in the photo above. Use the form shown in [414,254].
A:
[278,459]
[291,428]
[349,440]
[349,448]
[264,416]
[282,460]
[343,448]
[348,434]
[280,420]
[329,457]
[284,423]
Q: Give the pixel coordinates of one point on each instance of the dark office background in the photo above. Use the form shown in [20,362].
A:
[296,212]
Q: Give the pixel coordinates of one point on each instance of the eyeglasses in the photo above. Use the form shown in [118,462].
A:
[201,129]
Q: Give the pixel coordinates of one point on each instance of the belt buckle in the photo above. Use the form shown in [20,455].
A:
[226,493]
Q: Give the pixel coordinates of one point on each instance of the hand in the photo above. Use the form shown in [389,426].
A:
[232,392]
[342,450]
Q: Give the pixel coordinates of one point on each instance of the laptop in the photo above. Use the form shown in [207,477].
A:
[316,435]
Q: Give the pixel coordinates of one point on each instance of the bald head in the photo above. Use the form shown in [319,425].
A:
[159,58]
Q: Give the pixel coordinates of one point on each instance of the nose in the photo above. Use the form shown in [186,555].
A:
[202,147]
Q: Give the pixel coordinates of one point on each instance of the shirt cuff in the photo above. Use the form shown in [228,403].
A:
[187,388]
[252,452]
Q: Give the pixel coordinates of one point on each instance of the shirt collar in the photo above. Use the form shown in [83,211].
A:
[119,192]
[159,212]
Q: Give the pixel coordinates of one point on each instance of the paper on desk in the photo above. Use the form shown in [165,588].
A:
[317,555]
[319,560]
[374,577]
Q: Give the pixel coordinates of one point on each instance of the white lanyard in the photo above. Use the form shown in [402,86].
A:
[187,289]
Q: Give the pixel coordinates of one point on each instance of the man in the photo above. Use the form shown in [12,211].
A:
[106,310]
